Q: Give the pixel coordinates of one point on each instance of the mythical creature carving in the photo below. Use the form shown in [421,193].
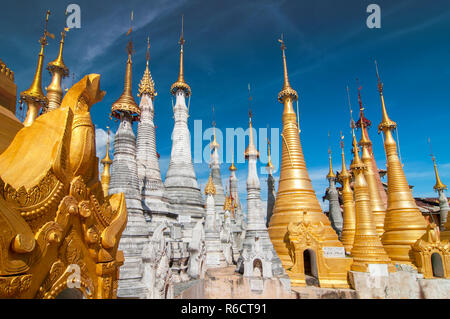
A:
[57,230]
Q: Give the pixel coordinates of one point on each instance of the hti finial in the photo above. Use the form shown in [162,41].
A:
[283,46]
[181,42]
[342,141]
[130,43]
[148,49]
[431,151]
[352,122]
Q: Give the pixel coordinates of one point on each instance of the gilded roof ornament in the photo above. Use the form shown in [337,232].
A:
[287,90]
[180,84]
[147,85]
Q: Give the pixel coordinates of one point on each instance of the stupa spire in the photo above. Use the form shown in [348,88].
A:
[58,70]
[367,247]
[349,218]
[376,203]
[330,172]
[147,85]
[106,162]
[126,103]
[269,160]
[180,84]
[287,90]
[296,199]
[440,188]
[404,223]
[251,149]
[34,96]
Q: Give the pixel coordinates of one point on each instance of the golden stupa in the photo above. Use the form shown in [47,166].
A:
[349,215]
[404,223]
[367,248]
[106,162]
[296,206]
[34,96]
[370,175]
[58,70]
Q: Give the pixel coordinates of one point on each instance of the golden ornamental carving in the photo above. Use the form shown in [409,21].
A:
[53,213]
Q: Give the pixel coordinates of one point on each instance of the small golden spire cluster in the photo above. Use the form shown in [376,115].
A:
[269,161]
[147,85]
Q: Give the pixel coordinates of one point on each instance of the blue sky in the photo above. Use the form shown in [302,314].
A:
[232,43]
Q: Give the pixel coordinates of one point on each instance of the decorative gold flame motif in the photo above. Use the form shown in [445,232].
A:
[349,215]
[296,199]
[367,248]
[404,223]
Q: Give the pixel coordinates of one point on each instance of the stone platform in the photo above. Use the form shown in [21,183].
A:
[224,283]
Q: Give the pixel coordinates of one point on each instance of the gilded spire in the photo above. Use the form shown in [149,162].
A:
[251,149]
[58,70]
[34,96]
[214,145]
[58,63]
[232,167]
[439,185]
[269,161]
[180,84]
[126,103]
[386,123]
[210,189]
[147,85]
[331,174]
[287,90]
[403,218]
[106,161]
[296,199]
[365,141]
[376,203]
[367,247]
[349,215]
